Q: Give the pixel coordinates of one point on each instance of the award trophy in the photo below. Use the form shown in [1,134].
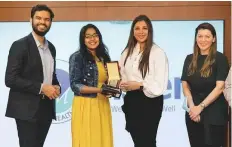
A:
[112,87]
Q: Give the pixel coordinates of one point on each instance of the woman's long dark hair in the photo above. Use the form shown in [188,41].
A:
[144,61]
[101,50]
[206,69]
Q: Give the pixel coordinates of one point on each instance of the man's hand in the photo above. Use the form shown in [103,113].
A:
[49,91]
[57,87]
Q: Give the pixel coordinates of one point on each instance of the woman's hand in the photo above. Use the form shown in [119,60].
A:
[130,85]
[121,85]
[194,112]
[197,119]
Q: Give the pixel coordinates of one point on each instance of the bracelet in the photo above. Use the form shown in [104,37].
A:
[202,105]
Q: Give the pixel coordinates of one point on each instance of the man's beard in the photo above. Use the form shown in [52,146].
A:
[34,27]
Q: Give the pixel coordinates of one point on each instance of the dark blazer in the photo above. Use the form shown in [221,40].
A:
[24,75]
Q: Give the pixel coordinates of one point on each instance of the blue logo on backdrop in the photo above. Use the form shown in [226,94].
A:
[174,89]
[64,102]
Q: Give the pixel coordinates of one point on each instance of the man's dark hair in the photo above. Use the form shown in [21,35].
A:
[41,7]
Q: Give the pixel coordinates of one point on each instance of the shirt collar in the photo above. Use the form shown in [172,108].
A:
[137,49]
[45,46]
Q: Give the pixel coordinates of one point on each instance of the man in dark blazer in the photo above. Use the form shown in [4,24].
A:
[30,75]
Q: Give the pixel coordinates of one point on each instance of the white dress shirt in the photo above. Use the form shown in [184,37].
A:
[47,62]
[156,80]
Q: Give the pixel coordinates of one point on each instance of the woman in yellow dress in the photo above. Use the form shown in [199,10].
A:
[91,113]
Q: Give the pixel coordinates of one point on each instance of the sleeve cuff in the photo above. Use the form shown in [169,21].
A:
[40,89]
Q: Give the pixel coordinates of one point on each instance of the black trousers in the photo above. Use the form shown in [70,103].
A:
[142,117]
[33,132]
[197,133]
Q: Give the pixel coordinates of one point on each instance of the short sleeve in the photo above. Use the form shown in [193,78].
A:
[185,69]
[222,66]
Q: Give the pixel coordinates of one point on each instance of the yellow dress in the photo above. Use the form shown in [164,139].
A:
[91,118]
